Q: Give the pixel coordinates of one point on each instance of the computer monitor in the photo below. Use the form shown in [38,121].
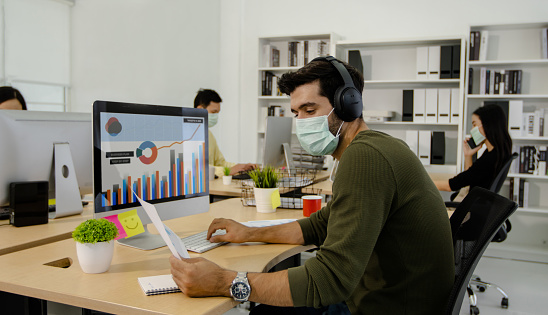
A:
[34,142]
[277,142]
[159,153]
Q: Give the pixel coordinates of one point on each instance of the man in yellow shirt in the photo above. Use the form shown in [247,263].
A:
[211,101]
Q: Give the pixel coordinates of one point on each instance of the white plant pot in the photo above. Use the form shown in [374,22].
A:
[95,258]
[227,180]
[263,199]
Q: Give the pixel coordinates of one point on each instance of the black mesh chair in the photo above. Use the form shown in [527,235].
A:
[500,236]
[473,224]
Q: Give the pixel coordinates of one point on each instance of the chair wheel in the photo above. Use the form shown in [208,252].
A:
[474,310]
[504,303]
[481,288]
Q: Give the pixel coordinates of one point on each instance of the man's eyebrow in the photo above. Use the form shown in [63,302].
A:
[307,104]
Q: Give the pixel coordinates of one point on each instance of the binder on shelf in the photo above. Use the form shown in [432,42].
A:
[422,63]
[438,148]
[477,40]
[455,68]
[544,43]
[431,106]
[355,60]
[484,41]
[412,140]
[407,106]
[446,62]
[455,105]
[491,81]
[419,105]
[515,114]
[483,79]
[267,49]
[425,139]
[434,62]
[444,106]
[470,80]
[472,46]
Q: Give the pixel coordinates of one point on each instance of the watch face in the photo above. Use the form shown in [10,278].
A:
[240,290]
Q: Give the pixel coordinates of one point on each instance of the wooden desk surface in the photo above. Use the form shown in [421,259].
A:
[13,238]
[217,188]
[117,291]
[327,186]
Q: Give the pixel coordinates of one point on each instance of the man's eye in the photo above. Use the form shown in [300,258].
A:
[310,112]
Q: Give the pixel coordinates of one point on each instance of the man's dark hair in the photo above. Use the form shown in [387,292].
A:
[206,96]
[8,93]
[329,77]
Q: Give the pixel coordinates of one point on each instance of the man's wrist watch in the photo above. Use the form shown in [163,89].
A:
[240,288]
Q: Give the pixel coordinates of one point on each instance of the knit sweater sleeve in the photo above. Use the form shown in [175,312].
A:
[346,229]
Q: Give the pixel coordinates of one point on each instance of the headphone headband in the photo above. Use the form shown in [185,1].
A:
[348,100]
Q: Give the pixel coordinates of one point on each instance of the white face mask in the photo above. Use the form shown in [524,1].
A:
[476,135]
[212,119]
[315,137]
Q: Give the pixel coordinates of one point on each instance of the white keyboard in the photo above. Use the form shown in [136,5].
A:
[198,243]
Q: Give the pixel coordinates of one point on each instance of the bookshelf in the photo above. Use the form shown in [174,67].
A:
[269,65]
[514,47]
[390,67]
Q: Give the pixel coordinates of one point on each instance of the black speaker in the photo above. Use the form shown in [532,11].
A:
[355,60]
[437,148]
[348,100]
[28,203]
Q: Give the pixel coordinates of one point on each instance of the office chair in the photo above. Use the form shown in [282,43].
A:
[473,224]
[500,236]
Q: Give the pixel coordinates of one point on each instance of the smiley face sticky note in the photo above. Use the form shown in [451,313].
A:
[131,223]
[114,219]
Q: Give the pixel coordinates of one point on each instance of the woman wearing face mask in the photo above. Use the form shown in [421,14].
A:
[490,128]
[211,101]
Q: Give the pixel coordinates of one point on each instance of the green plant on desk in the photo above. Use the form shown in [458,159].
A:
[95,230]
[264,178]
[226,171]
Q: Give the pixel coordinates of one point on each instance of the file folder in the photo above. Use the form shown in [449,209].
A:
[434,62]
[455,105]
[431,106]
[422,63]
[438,148]
[444,106]
[425,139]
[407,105]
[446,62]
[419,104]
[412,140]
[456,62]
[515,118]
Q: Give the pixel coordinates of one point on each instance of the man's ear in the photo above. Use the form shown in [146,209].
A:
[200,106]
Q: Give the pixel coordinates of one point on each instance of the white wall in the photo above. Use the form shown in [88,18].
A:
[353,20]
[143,51]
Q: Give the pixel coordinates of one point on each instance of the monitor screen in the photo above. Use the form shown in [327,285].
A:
[159,153]
[278,133]
[30,137]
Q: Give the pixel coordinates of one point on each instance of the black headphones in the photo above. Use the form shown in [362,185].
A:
[348,100]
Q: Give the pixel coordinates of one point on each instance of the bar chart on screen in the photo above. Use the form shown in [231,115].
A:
[146,155]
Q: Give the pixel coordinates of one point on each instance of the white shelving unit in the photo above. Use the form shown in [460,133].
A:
[517,47]
[390,66]
[281,43]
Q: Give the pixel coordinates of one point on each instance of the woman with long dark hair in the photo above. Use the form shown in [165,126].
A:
[491,123]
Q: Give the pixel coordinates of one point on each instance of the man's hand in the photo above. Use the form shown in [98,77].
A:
[235,232]
[242,168]
[198,277]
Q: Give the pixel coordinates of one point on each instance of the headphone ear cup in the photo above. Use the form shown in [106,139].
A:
[348,103]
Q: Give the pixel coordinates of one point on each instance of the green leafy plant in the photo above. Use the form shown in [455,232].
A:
[95,230]
[226,171]
[264,178]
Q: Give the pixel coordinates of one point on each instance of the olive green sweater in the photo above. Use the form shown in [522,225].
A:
[384,239]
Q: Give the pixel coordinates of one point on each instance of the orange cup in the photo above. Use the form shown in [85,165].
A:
[311,204]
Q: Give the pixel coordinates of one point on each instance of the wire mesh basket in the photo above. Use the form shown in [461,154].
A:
[292,184]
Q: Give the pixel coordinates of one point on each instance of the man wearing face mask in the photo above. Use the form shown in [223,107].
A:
[384,239]
[211,101]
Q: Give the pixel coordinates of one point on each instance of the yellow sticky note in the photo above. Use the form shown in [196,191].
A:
[275,199]
[131,223]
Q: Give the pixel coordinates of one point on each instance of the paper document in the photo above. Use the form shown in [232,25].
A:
[173,241]
[264,223]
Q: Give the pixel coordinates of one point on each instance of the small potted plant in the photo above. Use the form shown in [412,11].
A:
[95,244]
[265,183]
[227,178]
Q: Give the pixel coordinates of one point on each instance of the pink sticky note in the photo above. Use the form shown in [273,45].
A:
[121,231]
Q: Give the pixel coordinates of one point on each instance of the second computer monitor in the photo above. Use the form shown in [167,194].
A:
[278,133]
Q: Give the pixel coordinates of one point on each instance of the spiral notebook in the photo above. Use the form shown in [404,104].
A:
[155,285]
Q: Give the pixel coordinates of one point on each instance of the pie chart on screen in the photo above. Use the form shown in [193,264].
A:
[113,126]
[141,150]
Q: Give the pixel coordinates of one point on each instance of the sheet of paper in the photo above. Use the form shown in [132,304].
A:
[174,243]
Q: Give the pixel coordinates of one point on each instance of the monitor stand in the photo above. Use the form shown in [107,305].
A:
[289,158]
[67,194]
[144,241]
